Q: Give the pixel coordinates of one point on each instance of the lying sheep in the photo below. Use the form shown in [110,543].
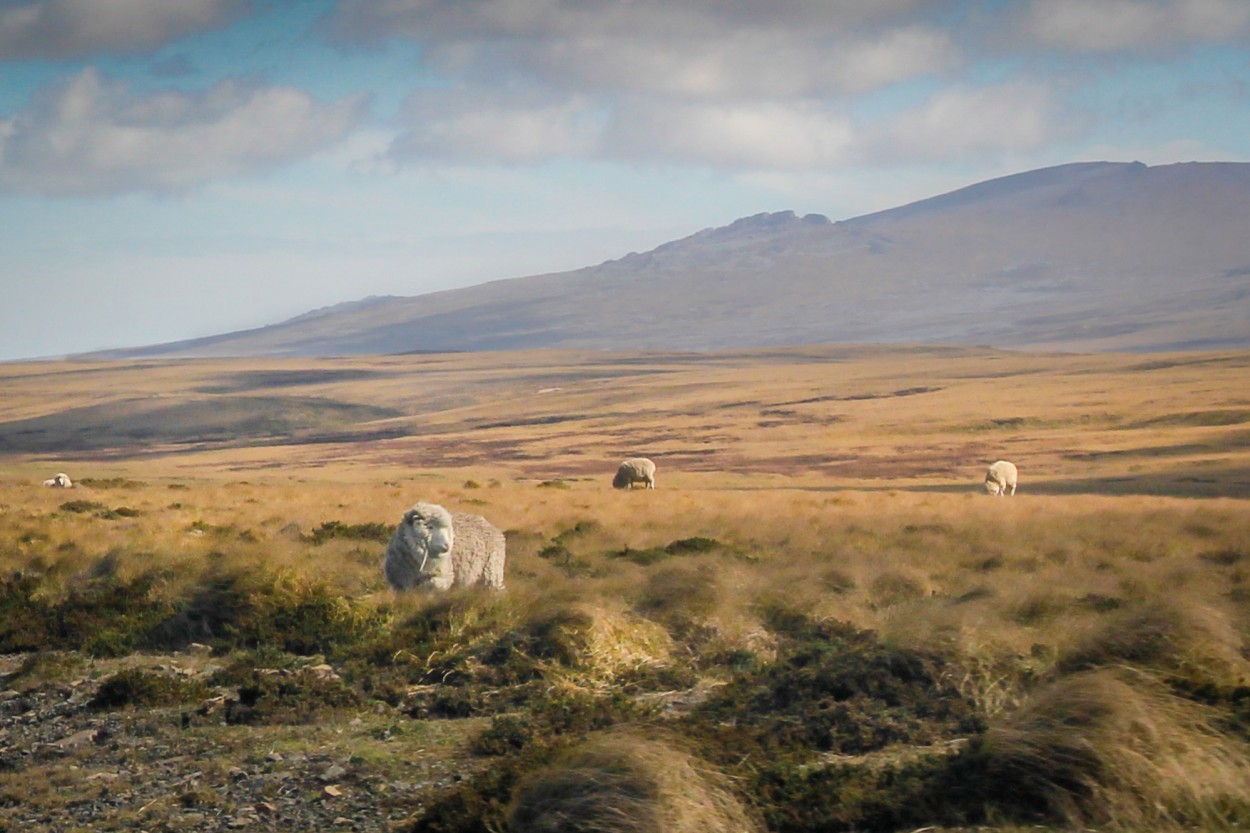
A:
[1001,477]
[60,481]
[433,548]
[634,470]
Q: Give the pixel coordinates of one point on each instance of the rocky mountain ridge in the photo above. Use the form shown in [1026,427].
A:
[1086,256]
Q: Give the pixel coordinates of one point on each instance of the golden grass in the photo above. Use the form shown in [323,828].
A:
[821,417]
[1116,748]
[1043,580]
[620,782]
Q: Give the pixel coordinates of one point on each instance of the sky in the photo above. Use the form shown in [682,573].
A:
[171,169]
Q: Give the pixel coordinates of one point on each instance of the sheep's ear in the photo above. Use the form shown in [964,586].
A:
[409,515]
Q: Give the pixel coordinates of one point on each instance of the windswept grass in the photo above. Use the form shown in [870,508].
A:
[1116,748]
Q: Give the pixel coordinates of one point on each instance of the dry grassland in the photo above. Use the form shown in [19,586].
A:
[1095,628]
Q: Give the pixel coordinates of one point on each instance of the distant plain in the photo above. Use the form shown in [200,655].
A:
[827,417]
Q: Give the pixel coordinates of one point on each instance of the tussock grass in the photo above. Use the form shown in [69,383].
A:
[1117,748]
[619,782]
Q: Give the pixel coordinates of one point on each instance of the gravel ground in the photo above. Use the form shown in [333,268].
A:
[68,766]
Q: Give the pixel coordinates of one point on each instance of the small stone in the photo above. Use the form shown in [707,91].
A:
[333,772]
[77,739]
[275,757]
[333,791]
[199,648]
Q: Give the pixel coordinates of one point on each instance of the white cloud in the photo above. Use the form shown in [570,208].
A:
[738,64]
[958,123]
[69,28]
[371,20]
[1127,25]
[89,135]
[752,136]
[479,124]
[701,48]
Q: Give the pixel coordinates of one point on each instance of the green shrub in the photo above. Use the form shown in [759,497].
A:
[79,507]
[834,688]
[137,688]
[283,696]
[330,530]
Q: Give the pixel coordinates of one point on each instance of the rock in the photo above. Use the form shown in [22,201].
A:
[333,791]
[199,649]
[333,772]
[80,738]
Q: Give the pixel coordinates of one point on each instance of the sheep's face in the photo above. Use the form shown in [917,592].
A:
[430,528]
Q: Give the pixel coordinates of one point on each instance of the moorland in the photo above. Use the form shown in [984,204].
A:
[816,622]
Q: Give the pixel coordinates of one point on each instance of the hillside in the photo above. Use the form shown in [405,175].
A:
[1090,256]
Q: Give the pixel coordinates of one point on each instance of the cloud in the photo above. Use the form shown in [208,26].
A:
[487,125]
[1134,25]
[89,135]
[743,135]
[58,29]
[474,126]
[757,63]
[700,48]
[369,20]
[960,123]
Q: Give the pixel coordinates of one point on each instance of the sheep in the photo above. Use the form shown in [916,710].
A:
[433,548]
[60,481]
[1000,477]
[635,470]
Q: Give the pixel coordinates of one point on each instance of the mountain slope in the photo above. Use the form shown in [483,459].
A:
[1082,256]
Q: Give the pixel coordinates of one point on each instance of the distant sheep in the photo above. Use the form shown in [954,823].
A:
[434,548]
[634,470]
[1000,478]
[60,481]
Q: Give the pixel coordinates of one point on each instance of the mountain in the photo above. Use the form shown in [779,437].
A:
[1088,256]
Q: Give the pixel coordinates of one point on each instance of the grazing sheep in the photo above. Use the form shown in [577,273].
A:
[1000,477]
[432,547]
[635,470]
[60,481]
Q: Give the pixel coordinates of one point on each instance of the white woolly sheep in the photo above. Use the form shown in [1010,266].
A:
[1000,478]
[433,548]
[635,470]
[60,481]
